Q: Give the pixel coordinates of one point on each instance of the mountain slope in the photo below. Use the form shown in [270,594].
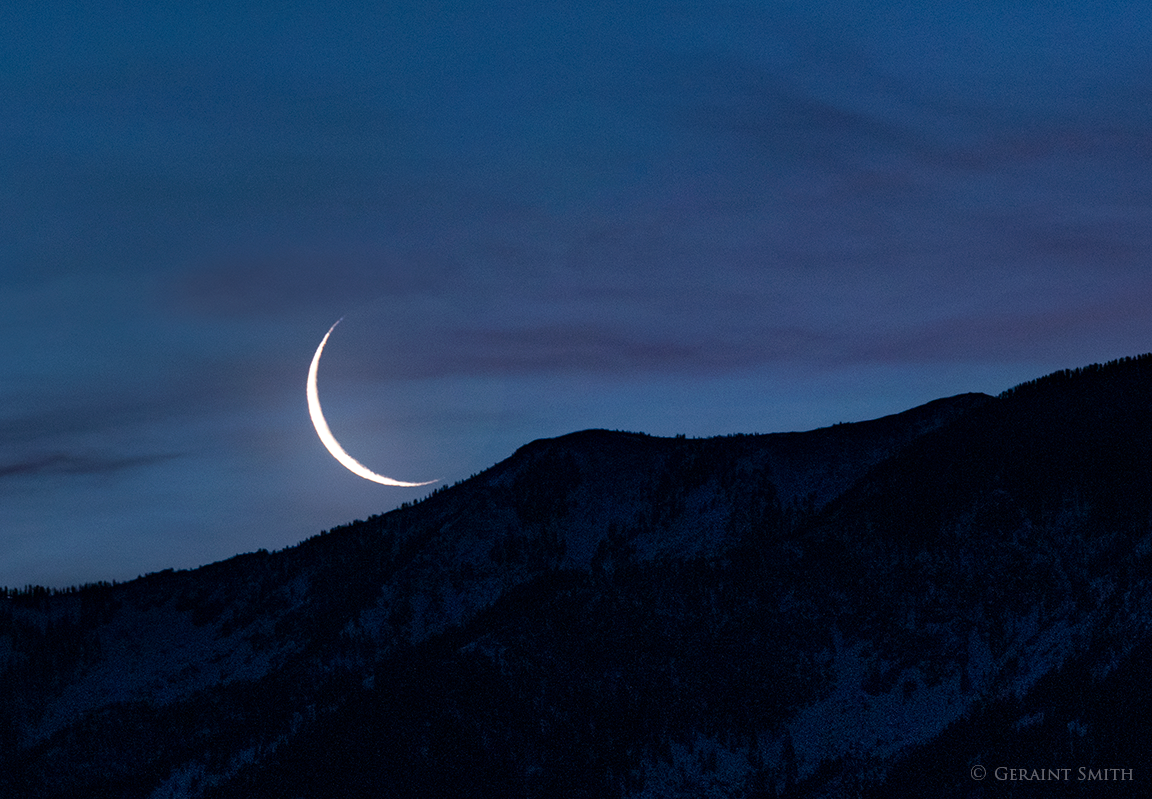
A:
[867,609]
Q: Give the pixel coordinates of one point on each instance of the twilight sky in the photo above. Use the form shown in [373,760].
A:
[535,217]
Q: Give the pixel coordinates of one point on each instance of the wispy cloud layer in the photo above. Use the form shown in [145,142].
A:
[512,198]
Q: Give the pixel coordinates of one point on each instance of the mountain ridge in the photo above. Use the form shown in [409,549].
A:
[808,614]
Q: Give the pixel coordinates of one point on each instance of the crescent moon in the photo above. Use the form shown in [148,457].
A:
[329,440]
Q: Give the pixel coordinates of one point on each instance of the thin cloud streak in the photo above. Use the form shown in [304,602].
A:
[63,463]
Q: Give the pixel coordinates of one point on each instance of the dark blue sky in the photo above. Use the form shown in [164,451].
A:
[535,217]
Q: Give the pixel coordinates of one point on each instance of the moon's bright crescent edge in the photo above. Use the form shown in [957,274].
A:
[329,440]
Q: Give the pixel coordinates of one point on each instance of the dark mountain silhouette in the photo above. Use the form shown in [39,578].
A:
[865,610]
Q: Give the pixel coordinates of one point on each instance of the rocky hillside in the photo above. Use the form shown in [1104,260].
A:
[871,609]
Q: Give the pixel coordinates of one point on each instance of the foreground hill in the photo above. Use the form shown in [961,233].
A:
[870,609]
